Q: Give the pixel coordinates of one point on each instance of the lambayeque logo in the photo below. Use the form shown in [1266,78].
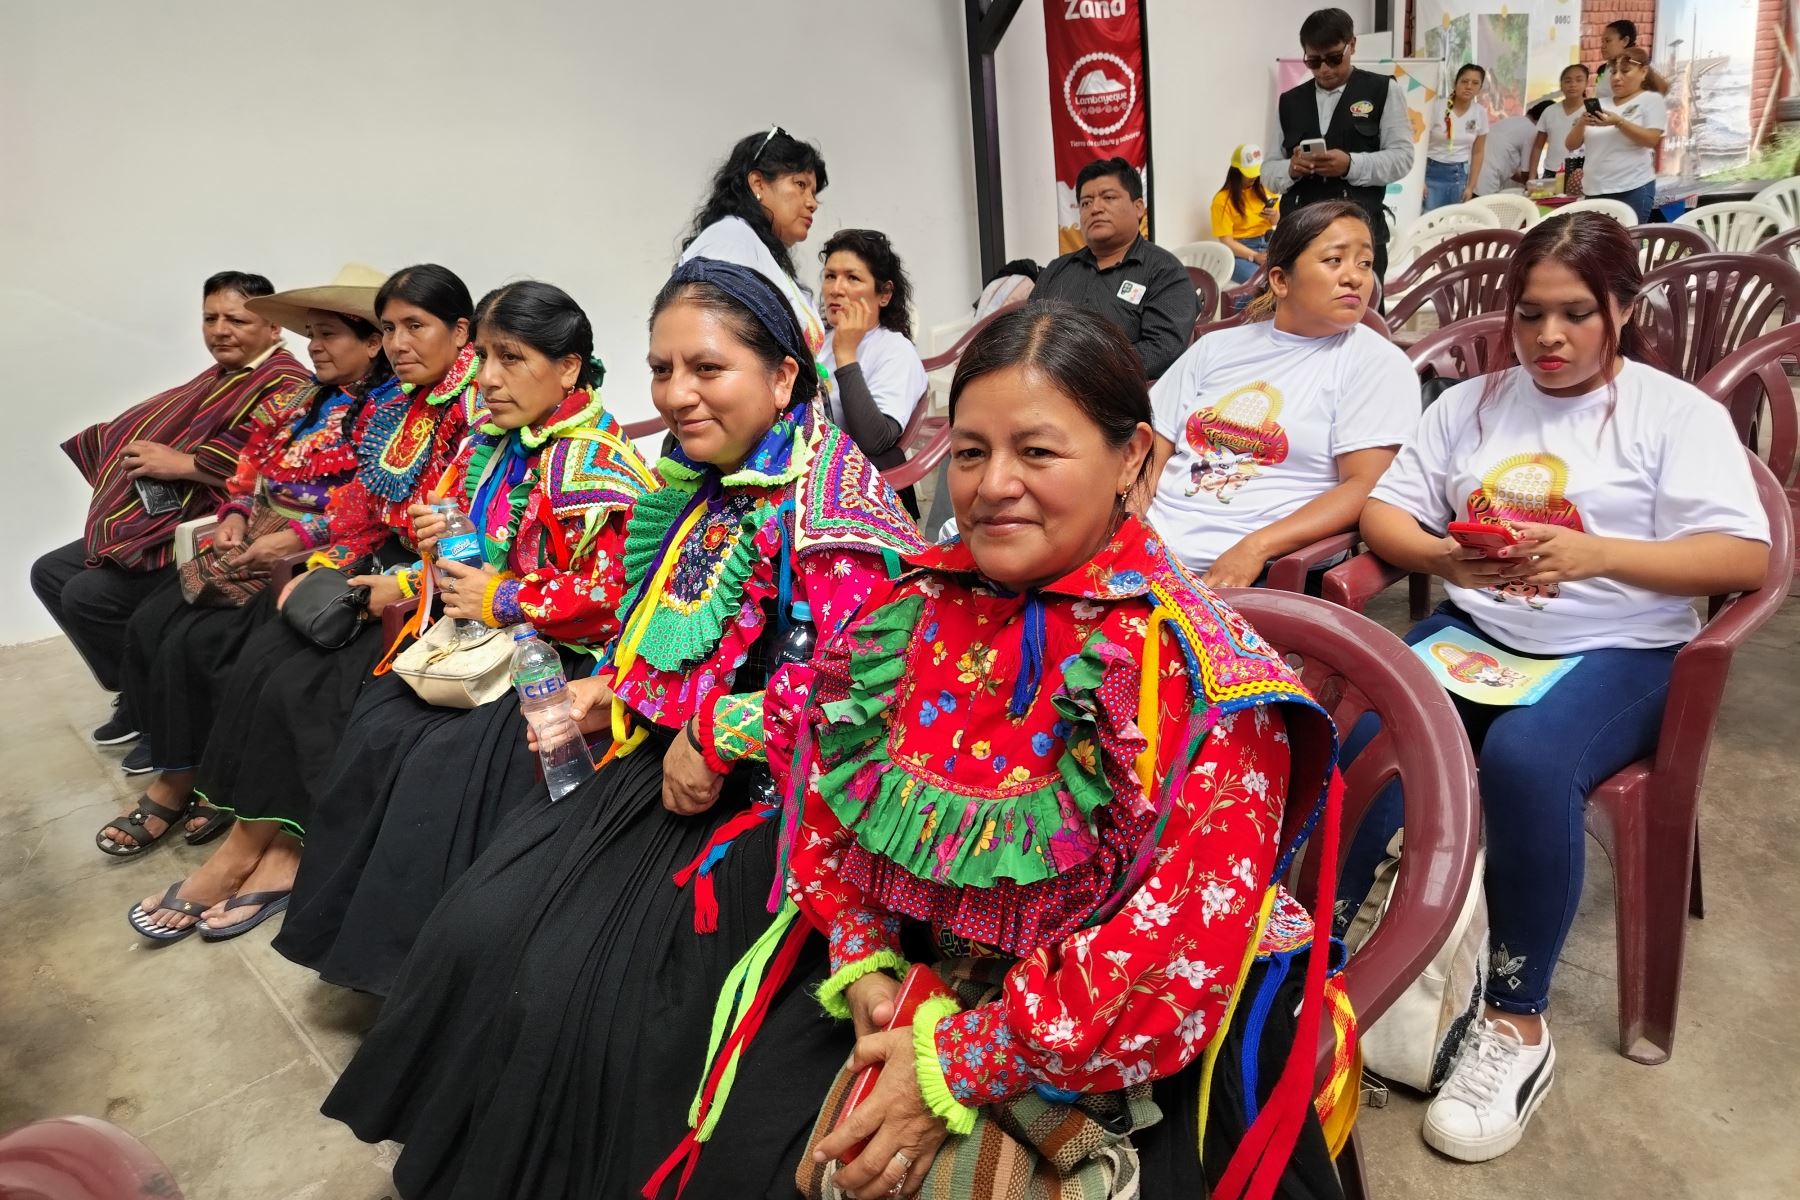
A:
[1099,92]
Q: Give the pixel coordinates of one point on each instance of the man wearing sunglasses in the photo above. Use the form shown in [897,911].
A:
[1360,116]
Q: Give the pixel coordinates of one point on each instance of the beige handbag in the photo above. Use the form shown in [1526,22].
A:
[450,674]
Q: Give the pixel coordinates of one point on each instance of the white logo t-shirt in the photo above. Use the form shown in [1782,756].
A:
[1258,418]
[1664,463]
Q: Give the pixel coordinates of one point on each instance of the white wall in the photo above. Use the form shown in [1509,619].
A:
[145,146]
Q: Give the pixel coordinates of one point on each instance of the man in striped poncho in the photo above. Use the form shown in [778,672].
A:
[157,464]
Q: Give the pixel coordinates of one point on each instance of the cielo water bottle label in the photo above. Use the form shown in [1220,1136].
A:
[538,689]
[460,547]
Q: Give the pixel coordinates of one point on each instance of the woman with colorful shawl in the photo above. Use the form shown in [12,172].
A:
[1052,765]
[416,792]
[545,1035]
[302,444]
[283,708]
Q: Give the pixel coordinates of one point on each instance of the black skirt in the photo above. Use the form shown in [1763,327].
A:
[414,794]
[549,1030]
[282,711]
[177,660]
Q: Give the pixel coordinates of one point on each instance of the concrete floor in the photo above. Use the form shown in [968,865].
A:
[217,1055]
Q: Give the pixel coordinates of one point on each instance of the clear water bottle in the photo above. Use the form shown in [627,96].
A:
[544,699]
[795,646]
[460,543]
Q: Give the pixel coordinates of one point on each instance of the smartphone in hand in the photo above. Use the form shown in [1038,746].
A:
[1592,105]
[1312,146]
[1483,535]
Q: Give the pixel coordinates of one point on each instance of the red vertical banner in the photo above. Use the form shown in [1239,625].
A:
[1099,96]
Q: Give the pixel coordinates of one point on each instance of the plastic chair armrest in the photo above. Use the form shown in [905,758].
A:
[1288,573]
[286,567]
[394,617]
[1353,584]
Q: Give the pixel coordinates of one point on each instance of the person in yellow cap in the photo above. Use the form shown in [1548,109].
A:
[1243,212]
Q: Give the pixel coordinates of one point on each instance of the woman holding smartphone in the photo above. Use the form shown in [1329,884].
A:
[1624,493]
[1619,135]
[1243,212]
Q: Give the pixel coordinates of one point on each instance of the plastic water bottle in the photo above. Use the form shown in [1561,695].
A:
[795,646]
[544,699]
[460,543]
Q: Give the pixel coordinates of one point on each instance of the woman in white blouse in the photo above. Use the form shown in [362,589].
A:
[1457,144]
[1620,140]
[1629,494]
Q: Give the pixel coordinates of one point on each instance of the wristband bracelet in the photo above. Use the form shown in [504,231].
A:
[693,739]
[405,581]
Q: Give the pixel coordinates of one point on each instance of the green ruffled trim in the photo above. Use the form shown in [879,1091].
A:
[933,832]
[831,992]
[933,1088]
[676,640]
[287,825]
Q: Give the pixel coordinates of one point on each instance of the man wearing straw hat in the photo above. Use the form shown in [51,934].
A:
[157,464]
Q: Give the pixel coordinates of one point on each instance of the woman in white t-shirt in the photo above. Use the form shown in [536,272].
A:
[760,207]
[1457,143]
[877,377]
[1620,140]
[1270,434]
[1630,494]
[1559,117]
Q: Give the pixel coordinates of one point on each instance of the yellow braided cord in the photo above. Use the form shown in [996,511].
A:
[1147,700]
[1211,1055]
[632,635]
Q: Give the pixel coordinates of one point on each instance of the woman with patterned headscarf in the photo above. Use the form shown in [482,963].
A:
[546,1036]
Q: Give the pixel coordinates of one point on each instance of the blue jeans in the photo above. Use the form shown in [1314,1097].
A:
[1537,764]
[1444,183]
[1243,268]
[1641,198]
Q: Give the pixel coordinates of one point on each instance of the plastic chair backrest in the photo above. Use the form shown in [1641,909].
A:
[1206,290]
[1353,666]
[1215,258]
[920,465]
[1618,210]
[1785,246]
[1752,382]
[1513,210]
[1470,347]
[637,429]
[1736,226]
[1784,196]
[1659,245]
[1465,290]
[1454,251]
[1697,310]
[1436,226]
[948,357]
[1370,317]
[80,1158]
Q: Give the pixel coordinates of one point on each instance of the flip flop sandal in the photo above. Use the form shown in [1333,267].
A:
[272,903]
[217,822]
[133,823]
[140,917]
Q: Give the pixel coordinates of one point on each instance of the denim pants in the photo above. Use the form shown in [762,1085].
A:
[1444,183]
[1537,764]
[1641,198]
[1243,268]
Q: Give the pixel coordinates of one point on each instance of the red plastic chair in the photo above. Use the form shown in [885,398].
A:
[1206,290]
[1753,384]
[938,362]
[80,1158]
[1353,666]
[1699,309]
[1647,816]
[1461,351]
[1659,245]
[1474,246]
[1370,317]
[1455,293]
[644,428]
[922,463]
[1784,246]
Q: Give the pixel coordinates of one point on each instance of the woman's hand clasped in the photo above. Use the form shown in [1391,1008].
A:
[462,588]
[1555,554]
[871,1001]
[383,591]
[228,534]
[260,556]
[689,785]
[903,1134]
[428,526]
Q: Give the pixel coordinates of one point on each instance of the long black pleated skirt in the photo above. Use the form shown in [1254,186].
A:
[549,1030]
[414,794]
[178,659]
[282,711]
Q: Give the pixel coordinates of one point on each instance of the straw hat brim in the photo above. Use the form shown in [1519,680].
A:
[352,294]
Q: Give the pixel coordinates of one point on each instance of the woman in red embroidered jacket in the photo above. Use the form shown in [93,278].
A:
[415,793]
[546,1035]
[1052,748]
[178,653]
[283,708]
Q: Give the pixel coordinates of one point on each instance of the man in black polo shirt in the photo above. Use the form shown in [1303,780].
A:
[1135,284]
[1360,115]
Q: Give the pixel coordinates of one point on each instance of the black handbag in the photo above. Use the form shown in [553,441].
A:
[326,609]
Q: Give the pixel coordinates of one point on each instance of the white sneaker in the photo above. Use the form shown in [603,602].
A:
[1497,1083]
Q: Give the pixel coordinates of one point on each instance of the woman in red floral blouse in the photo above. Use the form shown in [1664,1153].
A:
[1052,761]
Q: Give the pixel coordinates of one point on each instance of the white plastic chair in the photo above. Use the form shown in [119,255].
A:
[1435,226]
[1618,210]
[1513,210]
[1783,194]
[1737,226]
[1215,258]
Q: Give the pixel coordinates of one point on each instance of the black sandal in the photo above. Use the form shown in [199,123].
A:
[217,822]
[139,916]
[133,823]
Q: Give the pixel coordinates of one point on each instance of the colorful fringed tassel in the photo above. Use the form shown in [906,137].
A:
[706,901]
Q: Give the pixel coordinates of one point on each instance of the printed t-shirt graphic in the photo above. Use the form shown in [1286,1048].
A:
[1525,487]
[1234,439]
